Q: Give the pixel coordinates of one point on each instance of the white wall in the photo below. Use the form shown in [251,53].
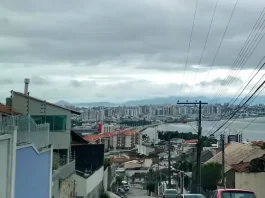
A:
[128,141]
[86,186]
[7,164]
[105,179]
[145,150]
[4,152]
[251,181]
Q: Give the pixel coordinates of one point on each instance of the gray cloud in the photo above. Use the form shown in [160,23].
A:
[222,82]
[37,80]
[83,83]
[59,40]
[156,31]
[4,81]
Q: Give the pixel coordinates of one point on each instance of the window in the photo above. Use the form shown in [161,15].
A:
[238,194]
[57,122]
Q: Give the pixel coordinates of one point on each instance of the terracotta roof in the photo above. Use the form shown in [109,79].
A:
[52,104]
[129,132]
[191,141]
[119,160]
[258,143]
[6,110]
[92,138]
[95,137]
[241,167]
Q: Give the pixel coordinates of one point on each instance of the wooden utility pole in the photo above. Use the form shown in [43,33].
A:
[199,143]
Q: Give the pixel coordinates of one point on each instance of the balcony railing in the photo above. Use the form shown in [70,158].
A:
[27,130]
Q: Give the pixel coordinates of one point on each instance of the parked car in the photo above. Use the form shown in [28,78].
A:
[233,193]
[126,187]
[190,196]
[170,193]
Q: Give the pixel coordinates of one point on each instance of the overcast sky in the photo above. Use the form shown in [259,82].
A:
[117,50]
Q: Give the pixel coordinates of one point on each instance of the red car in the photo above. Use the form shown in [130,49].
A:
[233,193]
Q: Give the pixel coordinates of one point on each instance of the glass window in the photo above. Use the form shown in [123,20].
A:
[57,122]
[238,194]
[169,192]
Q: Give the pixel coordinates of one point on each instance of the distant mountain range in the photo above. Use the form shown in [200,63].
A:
[159,101]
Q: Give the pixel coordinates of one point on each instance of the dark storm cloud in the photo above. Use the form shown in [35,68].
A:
[100,31]
[230,80]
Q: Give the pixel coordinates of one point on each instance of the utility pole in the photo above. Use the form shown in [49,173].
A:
[169,163]
[199,143]
[223,159]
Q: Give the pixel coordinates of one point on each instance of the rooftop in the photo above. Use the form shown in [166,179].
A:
[6,110]
[234,154]
[95,137]
[52,104]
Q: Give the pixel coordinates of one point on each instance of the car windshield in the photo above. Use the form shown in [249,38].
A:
[238,194]
[170,192]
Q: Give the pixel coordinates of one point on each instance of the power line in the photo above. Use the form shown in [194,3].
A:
[191,34]
[242,91]
[244,49]
[205,43]
[244,109]
[226,28]
[244,53]
[233,114]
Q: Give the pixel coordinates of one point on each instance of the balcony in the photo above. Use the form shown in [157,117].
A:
[28,132]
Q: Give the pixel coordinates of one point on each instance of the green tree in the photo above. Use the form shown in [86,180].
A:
[210,175]
[104,195]
[107,163]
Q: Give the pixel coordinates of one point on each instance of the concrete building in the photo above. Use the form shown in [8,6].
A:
[41,111]
[37,113]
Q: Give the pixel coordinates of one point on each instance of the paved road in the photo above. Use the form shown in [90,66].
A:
[137,192]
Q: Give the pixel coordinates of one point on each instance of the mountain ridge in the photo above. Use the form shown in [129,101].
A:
[160,101]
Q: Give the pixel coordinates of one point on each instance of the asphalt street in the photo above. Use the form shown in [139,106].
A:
[137,192]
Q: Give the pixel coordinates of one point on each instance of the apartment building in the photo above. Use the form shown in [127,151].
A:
[126,139]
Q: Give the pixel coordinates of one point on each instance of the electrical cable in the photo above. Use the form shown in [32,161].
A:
[204,46]
[234,113]
[244,51]
[188,52]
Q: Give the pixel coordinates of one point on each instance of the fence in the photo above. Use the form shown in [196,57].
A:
[27,130]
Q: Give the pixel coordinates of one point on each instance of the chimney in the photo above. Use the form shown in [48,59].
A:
[26,88]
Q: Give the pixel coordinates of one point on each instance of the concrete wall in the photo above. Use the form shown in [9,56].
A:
[33,173]
[251,181]
[63,181]
[67,187]
[85,186]
[105,179]
[60,140]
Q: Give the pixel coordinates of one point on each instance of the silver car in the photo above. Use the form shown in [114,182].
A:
[170,193]
[191,196]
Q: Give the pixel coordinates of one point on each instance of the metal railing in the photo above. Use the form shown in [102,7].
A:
[27,130]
